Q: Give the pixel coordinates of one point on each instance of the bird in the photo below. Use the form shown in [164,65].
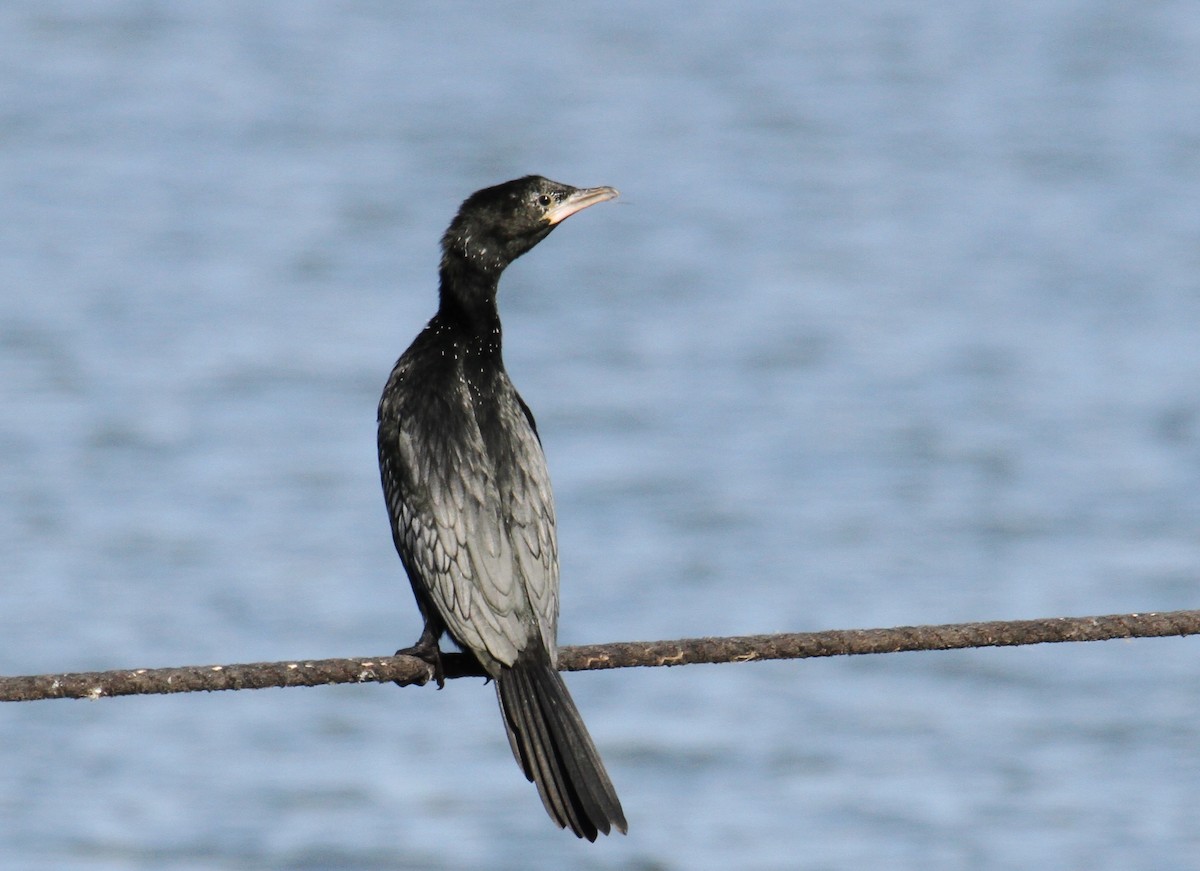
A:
[470,503]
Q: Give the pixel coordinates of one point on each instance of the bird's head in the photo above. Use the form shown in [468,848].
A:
[497,225]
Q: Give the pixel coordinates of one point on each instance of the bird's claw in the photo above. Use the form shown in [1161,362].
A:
[432,657]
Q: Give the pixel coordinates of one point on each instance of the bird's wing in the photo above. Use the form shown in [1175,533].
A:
[535,542]
[489,581]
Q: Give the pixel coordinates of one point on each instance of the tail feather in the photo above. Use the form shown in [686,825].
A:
[553,748]
[537,752]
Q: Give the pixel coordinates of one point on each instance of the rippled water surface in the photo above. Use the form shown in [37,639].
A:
[897,321]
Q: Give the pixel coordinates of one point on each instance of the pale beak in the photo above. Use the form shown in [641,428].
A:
[578,201]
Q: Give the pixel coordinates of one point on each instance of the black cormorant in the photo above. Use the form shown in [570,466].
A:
[470,503]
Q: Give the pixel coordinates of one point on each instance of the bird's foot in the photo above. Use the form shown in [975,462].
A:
[426,649]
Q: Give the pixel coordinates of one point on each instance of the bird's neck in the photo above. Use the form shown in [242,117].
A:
[468,305]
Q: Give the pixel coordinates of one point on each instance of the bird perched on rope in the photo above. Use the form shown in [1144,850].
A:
[471,508]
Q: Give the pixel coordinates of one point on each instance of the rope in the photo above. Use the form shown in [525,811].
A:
[407,670]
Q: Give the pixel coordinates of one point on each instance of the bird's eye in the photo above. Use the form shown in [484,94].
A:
[544,200]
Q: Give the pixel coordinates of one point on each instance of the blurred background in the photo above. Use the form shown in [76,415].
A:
[896,321]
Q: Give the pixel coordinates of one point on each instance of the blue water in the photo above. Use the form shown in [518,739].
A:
[897,321]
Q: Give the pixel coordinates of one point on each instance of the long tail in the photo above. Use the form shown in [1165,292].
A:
[553,747]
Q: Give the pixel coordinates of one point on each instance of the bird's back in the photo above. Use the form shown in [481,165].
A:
[469,496]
